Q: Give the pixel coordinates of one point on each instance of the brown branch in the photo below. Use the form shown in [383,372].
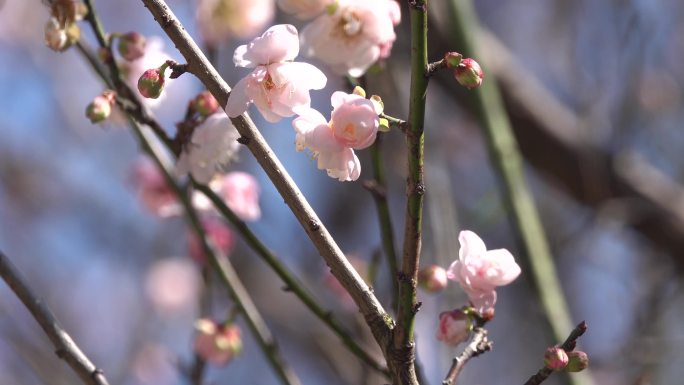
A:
[477,346]
[66,348]
[376,317]
[568,346]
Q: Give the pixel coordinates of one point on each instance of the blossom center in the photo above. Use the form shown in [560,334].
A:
[268,82]
[351,24]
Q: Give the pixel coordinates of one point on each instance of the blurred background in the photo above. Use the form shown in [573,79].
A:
[594,93]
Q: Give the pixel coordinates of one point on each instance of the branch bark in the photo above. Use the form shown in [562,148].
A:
[477,346]
[66,348]
[376,317]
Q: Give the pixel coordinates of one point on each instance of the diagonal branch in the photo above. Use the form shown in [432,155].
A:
[477,346]
[375,315]
[66,347]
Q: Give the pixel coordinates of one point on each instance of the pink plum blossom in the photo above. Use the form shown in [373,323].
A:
[277,86]
[304,9]
[454,327]
[354,36]
[221,20]
[354,125]
[217,232]
[215,343]
[239,190]
[172,285]
[479,271]
[212,147]
[153,190]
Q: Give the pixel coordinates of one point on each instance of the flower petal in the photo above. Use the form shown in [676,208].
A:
[471,244]
[238,101]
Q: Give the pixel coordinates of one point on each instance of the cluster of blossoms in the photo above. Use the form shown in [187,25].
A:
[217,343]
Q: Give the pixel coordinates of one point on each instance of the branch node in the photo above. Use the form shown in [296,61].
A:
[313,225]
[243,140]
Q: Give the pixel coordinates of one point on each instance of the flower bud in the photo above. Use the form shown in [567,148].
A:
[58,37]
[555,358]
[131,46]
[454,327]
[577,361]
[205,104]
[469,74]
[217,344]
[101,107]
[453,59]
[432,279]
[151,83]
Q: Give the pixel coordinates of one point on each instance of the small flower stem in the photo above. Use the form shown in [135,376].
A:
[403,370]
[288,278]
[65,346]
[378,189]
[478,345]
[507,160]
[433,67]
[225,271]
[400,124]
[568,346]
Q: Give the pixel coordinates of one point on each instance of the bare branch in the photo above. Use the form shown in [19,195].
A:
[65,346]
[477,346]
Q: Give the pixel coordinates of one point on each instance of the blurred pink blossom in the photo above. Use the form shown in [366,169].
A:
[277,86]
[172,285]
[217,344]
[222,20]
[454,327]
[217,232]
[304,9]
[153,190]
[354,125]
[212,147]
[480,271]
[354,36]
[240,191]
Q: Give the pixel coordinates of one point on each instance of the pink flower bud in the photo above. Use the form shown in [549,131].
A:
[577,361]
[454,327]
[218,233]
[101,107]
[131,46]
[215,343]
[433,279]
[151,83]
[59,37]
[453,59]
[469,74]
[555,358]
[205,104]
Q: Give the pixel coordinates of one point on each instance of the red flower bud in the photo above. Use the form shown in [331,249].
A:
[131,46]
[577,361]
[151,83]
[205,104]
[555,358]
[432,279]
[469,74]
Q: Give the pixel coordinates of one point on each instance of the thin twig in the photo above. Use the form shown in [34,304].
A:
[477,346]
[65,346]
[376,317]
[225,271]
[378,189]
[568,346]
[290,280]
[433,67]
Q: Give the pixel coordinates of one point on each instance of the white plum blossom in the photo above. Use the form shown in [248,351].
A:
[353,36]
[304,9]
[277,86]
[221,20]
[212,147]
[479,271]
[354,125]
